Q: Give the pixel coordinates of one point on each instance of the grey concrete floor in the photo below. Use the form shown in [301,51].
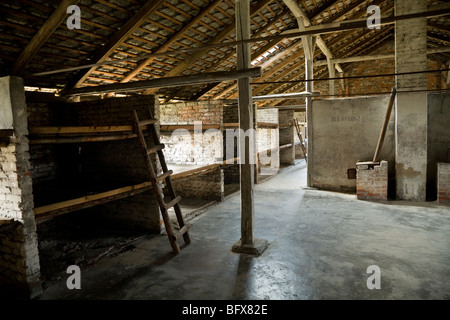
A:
[320,246]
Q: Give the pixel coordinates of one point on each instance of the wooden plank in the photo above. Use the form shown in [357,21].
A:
[197,171]
[83,202]
[165,175]
[173,127]
[155,149]
[77,130]
[182,231]
[172,203]
[5,222]
[267,125]
[166,82]
[147,122]
[385,125]
[44,33]
[66,140]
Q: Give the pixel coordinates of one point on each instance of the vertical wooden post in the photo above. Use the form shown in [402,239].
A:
[246,122]
[247,243]
[332,73]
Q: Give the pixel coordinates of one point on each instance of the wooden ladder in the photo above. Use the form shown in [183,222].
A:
[299,133]
[157,149]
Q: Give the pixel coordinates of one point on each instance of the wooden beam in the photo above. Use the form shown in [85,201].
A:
[194,172]
[216,40]
[166,82]
[173,127]
[77,130]
[306,22]
[433,11]
[47,212]
[172,40]
[84,139]
[246,116]
[39,39]
[115,41]
[385,125]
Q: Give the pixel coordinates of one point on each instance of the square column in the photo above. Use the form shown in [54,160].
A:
[411,108]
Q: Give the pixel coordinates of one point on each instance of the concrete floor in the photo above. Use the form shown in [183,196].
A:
[320,246]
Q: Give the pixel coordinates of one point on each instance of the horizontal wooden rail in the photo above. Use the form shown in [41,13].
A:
[47,212]
[78,130]
[66,140]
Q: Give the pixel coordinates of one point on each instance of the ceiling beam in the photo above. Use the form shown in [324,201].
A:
[301,16]
[117,39]
[165,82]
[172,40]
[39,39]
[217,39]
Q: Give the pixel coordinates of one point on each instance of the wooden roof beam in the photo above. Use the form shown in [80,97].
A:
[44,33]
[217,39]
[117,39]
[172,40]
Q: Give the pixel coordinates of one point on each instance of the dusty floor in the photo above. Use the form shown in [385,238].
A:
[320,247]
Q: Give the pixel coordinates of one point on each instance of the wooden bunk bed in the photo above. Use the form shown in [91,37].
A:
[75,135]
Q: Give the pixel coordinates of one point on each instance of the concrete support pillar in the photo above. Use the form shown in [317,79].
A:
[247,243]
[411,108]
[19,259]
[309,45]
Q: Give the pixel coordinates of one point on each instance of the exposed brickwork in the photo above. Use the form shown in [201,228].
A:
[287,133]
[443,182]
[189,112]
[19,260]
[372,181]
[184,147]
[209,186]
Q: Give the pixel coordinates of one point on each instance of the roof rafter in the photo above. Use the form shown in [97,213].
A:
[132,24]
[217,39]
[47,29]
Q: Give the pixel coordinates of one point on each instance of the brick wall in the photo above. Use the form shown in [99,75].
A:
[188,147]
[443,182]
[372,181]
[209,186]
[287,133]
[19,260]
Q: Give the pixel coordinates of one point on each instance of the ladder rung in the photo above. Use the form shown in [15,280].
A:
[182,231]
[173,202]
[165,175]
[155,149]
[144,123]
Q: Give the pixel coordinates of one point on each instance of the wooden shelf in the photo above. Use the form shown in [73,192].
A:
[50,211]
[66,135]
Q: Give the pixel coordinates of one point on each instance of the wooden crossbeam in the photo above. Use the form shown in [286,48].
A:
[46,212]
[172,40]
[42,36]
[217,39]
[165,82]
